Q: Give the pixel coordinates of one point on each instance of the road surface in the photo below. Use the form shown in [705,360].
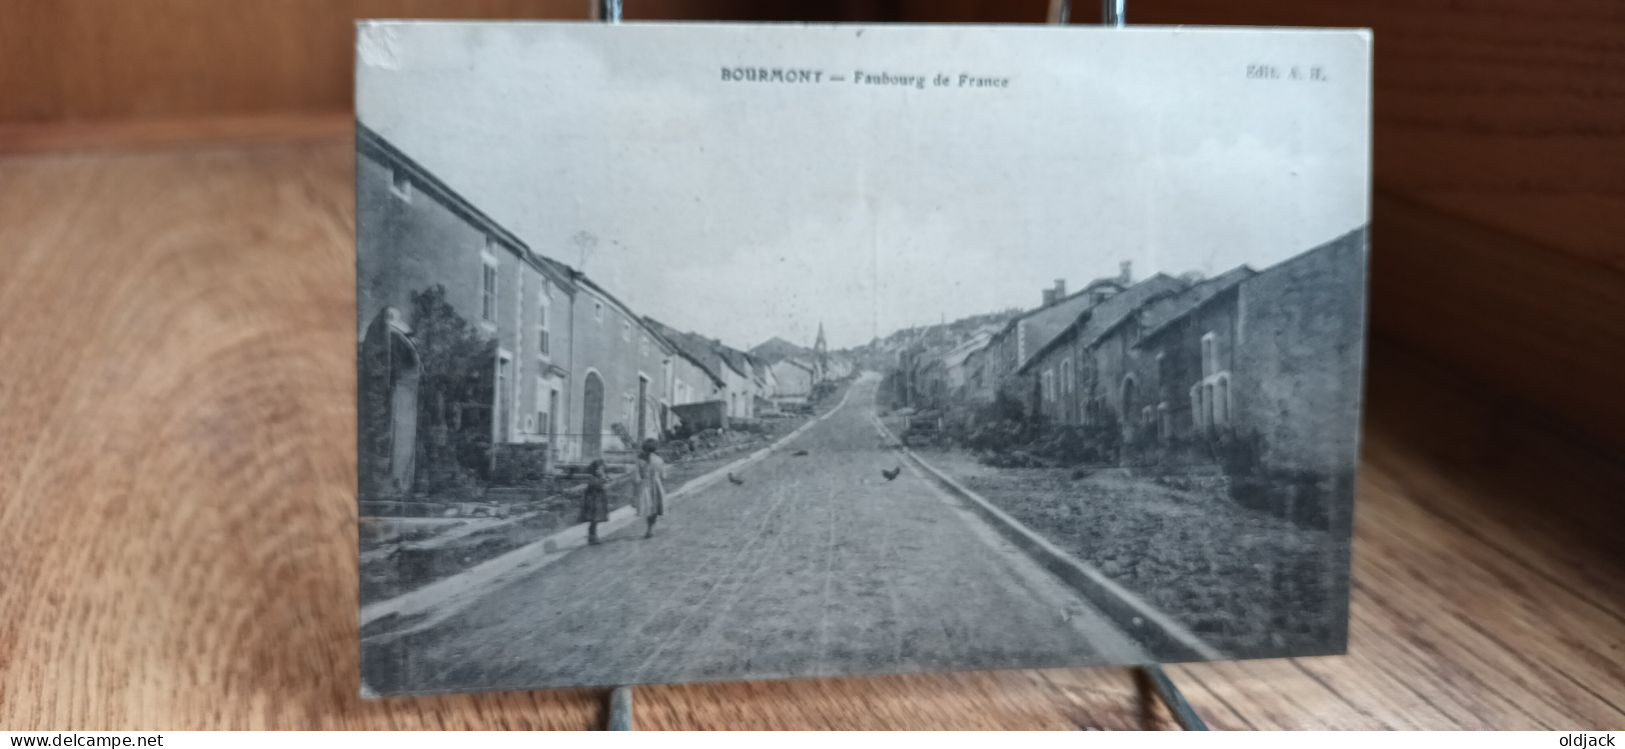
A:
[816,565]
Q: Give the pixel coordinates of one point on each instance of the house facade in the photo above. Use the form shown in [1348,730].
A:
[565,371]
[793,380]
[1300,352]
[956,362]
[1082,374]
[625,374]
[1001,368]
[422,241]
[739,380]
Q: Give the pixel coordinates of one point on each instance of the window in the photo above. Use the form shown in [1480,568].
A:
[1066,376]
[1165,422]
[1207,405]
[597,311]
[504,399]
[643,346]
[488,291]
[1196,406]
[1047,385]
[1213,399]
[543,339]
[400,185]
[1128,404]
[626,331]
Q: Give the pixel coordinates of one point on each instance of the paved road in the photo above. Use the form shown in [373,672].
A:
[815,566]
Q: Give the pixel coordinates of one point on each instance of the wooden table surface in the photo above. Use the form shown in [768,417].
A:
[177,481]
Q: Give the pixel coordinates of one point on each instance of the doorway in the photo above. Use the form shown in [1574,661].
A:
[592,417]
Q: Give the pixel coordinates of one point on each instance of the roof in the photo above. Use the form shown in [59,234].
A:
[795,363]
[369,142]
[695,348]
[734,358]
[759,366]
[1045,323]
[774,349]
[1096,321]
[958,354]
[375,145]
[1158,317]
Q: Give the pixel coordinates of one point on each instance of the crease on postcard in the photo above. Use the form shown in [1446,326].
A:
[378,46]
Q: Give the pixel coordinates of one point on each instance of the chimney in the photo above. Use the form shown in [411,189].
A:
[1125,272]
[1056,294]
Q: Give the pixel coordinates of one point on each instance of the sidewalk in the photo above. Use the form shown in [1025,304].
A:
[1232,576]
[429,604]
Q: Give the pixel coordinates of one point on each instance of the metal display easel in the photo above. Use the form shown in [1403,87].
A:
[1149,679]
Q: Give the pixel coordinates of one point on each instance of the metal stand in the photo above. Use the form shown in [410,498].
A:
[620,710]
[1149,679]
[1152,679]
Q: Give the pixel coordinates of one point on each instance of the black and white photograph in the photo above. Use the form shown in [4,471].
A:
[700,352]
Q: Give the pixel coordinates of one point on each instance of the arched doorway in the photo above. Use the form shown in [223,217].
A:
[592,417]
[388,375]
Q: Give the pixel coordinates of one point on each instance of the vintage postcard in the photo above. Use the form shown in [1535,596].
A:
[719,351]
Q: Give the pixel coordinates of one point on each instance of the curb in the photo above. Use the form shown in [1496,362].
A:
[1165,639]
[450,594]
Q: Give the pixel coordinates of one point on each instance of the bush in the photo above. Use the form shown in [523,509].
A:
[1099,442]
[998,435]
[454,395]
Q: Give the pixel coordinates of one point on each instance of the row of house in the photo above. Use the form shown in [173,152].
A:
[576,373]
[1274,354]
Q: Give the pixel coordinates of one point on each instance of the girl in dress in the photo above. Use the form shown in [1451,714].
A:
[651,487]
[595,500]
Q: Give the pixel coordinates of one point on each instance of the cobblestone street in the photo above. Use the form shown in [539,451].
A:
[815,565]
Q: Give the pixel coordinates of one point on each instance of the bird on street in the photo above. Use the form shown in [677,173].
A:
[735,480]
[799,453]
[892,474]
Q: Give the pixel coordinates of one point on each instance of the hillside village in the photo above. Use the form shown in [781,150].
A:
[497,363]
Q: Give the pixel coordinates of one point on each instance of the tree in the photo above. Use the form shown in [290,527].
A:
[455,393]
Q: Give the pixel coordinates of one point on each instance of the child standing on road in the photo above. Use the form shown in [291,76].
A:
[651,489]
[595,500]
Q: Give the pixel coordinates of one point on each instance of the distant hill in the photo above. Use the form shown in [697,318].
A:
[881,353]
[776,349]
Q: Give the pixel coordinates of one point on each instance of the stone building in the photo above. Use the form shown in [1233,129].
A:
[794,380]
[417,236]
[1081,374]
[564,372]
[1299,358]
[625,371]
[999,368]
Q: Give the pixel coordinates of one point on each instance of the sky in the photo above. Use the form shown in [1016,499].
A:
[748,210]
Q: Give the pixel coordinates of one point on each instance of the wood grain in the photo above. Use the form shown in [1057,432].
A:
[75,60]
[177,484]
